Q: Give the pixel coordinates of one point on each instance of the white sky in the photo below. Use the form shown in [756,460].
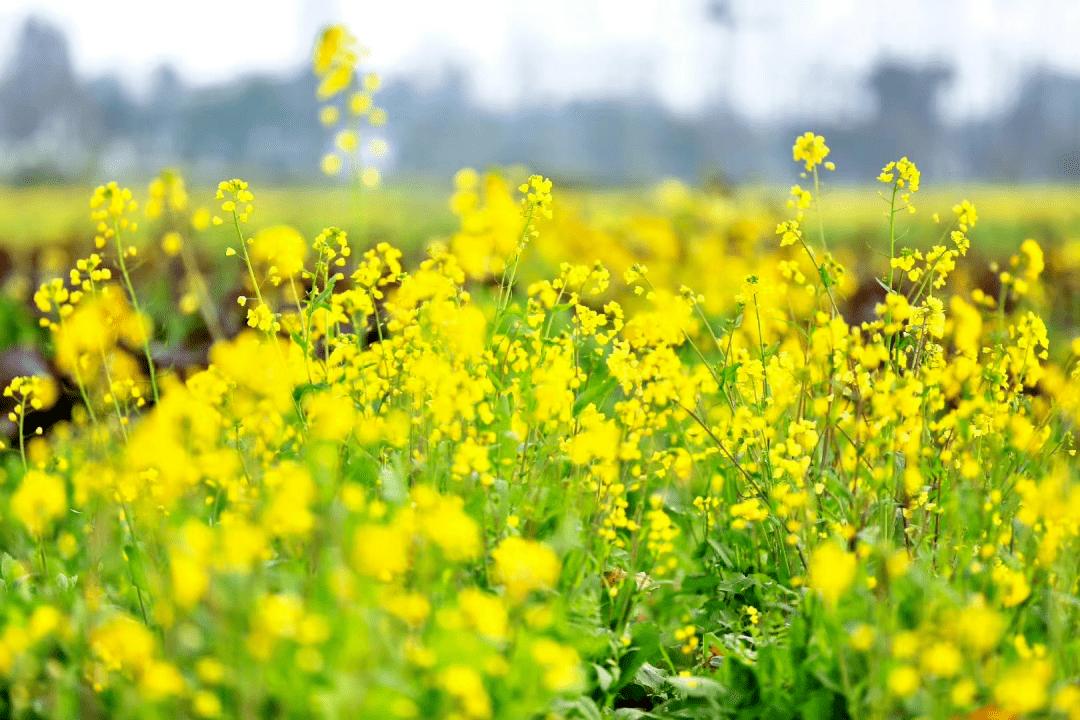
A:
[804,56]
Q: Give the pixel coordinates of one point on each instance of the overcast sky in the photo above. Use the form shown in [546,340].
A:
[771,57]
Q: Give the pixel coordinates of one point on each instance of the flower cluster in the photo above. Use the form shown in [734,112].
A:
[337,53]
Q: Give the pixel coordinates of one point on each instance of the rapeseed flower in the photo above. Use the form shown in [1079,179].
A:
[525,566]
[39,501]
[832,571]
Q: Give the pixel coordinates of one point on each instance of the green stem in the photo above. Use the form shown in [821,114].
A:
[138,313]
[506,286]
[892,234]
[247,258]
[82,385]
[22,435]
[258,295]
[817,205]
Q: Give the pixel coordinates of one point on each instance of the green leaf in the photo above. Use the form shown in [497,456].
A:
[320,299]
[697,583]
[496,381]
[17,327]
[827,680]
[594,393]
[744,688]
[603,677]
[580,707]
[822,705]
[514,311]
[734,584]
[66,583]
[392,484]
[634,660]
[731,374]
[568,533]
[8,566]
[884,286]
[135,565]
[299,340]
[650,677]
[300,391]
[701,687]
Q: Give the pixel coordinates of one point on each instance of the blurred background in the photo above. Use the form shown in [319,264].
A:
[590,92]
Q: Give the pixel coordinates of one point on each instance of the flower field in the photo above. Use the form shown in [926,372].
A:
[684,458]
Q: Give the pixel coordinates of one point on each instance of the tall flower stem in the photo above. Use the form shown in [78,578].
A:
[147,331]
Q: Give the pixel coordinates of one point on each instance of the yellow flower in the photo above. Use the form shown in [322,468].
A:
[172,243]
[800,198]
[331,164]
[832,571]
[897,564]
[525,566]
[443,521]
[810,148]
[335,81]
[412,608]
[1014,586]
[790,231]
[467,688]
[561,664]
[262,318]
[382,551]
[123,644]
[904,645]
[1023,689]
[903,681]
[160,680]
[359,103]
[210,670]
[206,704]
[45,620]
[1067,701]
[346,141]
[189,303]
[1035,260]
[330,416]
[980,627]
[370,177]
[963,692]
[242,544]
[966,215]
[329,115]
[942,659]
[862,637]
[291,492]
[333,41]
[485,613]
[282,247]
[40,500]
